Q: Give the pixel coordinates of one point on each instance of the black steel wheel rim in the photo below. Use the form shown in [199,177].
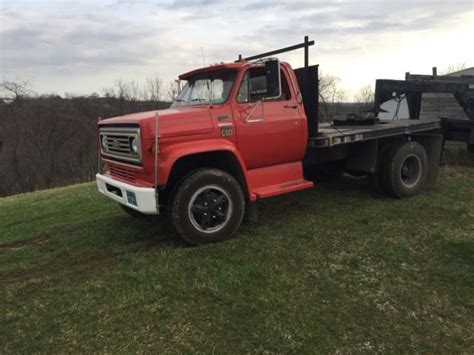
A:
[411,169]
[210,209]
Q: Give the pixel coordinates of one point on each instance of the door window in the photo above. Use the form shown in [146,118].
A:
[254,86]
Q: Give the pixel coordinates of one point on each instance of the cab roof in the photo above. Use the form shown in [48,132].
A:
[220,66]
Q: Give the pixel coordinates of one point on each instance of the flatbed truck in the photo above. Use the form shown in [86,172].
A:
[247,130]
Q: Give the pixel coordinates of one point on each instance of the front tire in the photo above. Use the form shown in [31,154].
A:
[207,207]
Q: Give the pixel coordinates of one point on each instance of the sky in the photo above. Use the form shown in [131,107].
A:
[82,47]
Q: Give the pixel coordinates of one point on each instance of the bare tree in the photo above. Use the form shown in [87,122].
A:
[14,93]
[173,90]
[128,90]
[11,91]
[364,99]
[330,96]
[452,68]
[153,90]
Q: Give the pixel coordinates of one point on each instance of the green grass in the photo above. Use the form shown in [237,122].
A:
[331,269]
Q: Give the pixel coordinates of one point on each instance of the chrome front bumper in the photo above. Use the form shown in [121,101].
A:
[141,199]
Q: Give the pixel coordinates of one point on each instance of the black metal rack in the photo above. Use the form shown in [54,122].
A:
[462,88]
[306,44]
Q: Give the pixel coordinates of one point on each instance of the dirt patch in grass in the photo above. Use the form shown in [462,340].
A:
[40,239]
[73,268]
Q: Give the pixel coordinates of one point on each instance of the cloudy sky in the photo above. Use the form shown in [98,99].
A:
[84,46]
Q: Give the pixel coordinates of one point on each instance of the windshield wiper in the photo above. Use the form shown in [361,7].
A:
[198,99]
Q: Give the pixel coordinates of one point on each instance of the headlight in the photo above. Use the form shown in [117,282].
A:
[104,142]
[134,145]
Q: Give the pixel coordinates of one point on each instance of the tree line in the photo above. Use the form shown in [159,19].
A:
[48,141]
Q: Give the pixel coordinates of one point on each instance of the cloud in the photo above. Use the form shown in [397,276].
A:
[70,38]
[68,41]
[180,4]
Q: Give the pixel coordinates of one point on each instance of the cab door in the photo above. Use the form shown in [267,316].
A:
[269,132]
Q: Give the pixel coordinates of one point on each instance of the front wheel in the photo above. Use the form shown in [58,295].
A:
[208,207]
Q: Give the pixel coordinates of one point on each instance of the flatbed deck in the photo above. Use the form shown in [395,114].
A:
[330,135]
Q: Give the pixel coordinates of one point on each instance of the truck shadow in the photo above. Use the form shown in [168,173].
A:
[348,184]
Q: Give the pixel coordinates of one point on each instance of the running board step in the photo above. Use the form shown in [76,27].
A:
[274,190]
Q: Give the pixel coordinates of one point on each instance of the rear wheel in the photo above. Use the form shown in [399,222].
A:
[207,207]
[405,169]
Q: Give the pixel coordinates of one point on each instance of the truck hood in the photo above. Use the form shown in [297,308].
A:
[173,122]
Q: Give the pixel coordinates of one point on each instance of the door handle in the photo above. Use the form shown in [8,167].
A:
[291,106]
[253,120]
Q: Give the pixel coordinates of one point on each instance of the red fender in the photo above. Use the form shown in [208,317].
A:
[171,153]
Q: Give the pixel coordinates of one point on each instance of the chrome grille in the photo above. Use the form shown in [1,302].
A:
[116,142]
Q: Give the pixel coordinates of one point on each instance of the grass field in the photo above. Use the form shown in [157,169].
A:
[331,269]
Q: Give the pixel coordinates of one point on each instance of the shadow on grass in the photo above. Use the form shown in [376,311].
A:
[359,186]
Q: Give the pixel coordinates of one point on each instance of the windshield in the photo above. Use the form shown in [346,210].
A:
[209,88]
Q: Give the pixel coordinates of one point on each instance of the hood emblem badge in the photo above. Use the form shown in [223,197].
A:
[116,144]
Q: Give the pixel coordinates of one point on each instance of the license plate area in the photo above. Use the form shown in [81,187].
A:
[132,198]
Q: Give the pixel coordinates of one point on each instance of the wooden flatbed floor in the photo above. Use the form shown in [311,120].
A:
[330,135]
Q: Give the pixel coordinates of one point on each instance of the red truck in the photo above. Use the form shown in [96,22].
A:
[248,130]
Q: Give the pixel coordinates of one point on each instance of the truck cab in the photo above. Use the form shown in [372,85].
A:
[240,139]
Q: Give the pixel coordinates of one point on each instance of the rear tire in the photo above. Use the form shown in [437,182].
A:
[208,207]
[405,169]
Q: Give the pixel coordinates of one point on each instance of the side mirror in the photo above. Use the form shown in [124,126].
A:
[273,78]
